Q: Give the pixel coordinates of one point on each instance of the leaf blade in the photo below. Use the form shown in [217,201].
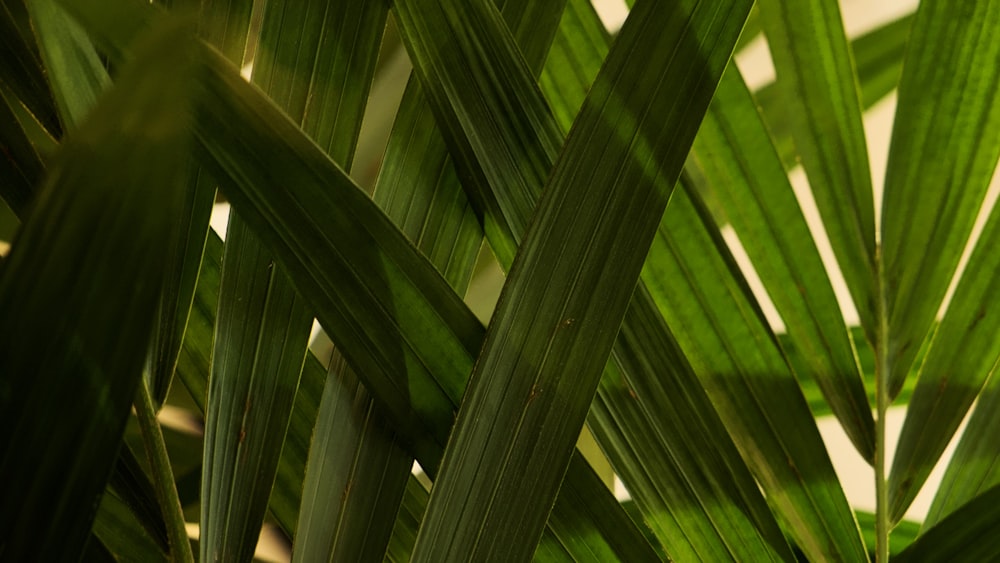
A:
[473,492]
[946,106]
[816,74]
[84,179]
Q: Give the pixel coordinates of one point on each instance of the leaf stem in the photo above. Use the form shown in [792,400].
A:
[882,401]
[163,475]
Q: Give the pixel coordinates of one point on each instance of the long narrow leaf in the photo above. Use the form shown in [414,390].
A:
[879,58]
[356,477]
[330,65]
[224,24]
[21,167]
[75,72]
[975,465]
[283,179]
[743,172]
[255,373]
[104,188]
[575,57]
[966,535]
[816,76]
[962,356]
[734,354]
[947,106]
[21,68]
[404,533]
[535,411]
[416,143]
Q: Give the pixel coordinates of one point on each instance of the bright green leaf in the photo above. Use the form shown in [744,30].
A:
[945,146]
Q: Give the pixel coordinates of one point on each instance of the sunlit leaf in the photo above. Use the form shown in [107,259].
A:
[816,77]
[947,106]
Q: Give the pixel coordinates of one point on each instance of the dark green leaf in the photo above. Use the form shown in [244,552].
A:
[261,336]
[21,68]
[945,146]
[549,322]
[132,486]
[330,64]
[355,479]
[968,534]
[20,164]
[411,511]
[116,528]
[225,25]
[114,190]
[377,305]
[572,63]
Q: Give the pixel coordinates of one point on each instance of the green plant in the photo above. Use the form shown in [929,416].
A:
[530,128]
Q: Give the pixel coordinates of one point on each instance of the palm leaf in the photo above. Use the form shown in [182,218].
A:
[962,356]
[96,356]
[816,76]
[525,396]
[737,162]
[564,85]
[946,106]
[975,465]
[965,535]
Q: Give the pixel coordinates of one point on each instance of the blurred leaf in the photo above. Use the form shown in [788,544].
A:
[819,93]
[965,535]
[878,57]
[742,171]
[947,106]
[20,164]
[114,190]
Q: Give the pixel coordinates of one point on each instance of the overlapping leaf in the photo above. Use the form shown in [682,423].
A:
[379,307]
[742,171]
[521,397]
[962,356]
[975,465]
[965,535]
[115,192]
